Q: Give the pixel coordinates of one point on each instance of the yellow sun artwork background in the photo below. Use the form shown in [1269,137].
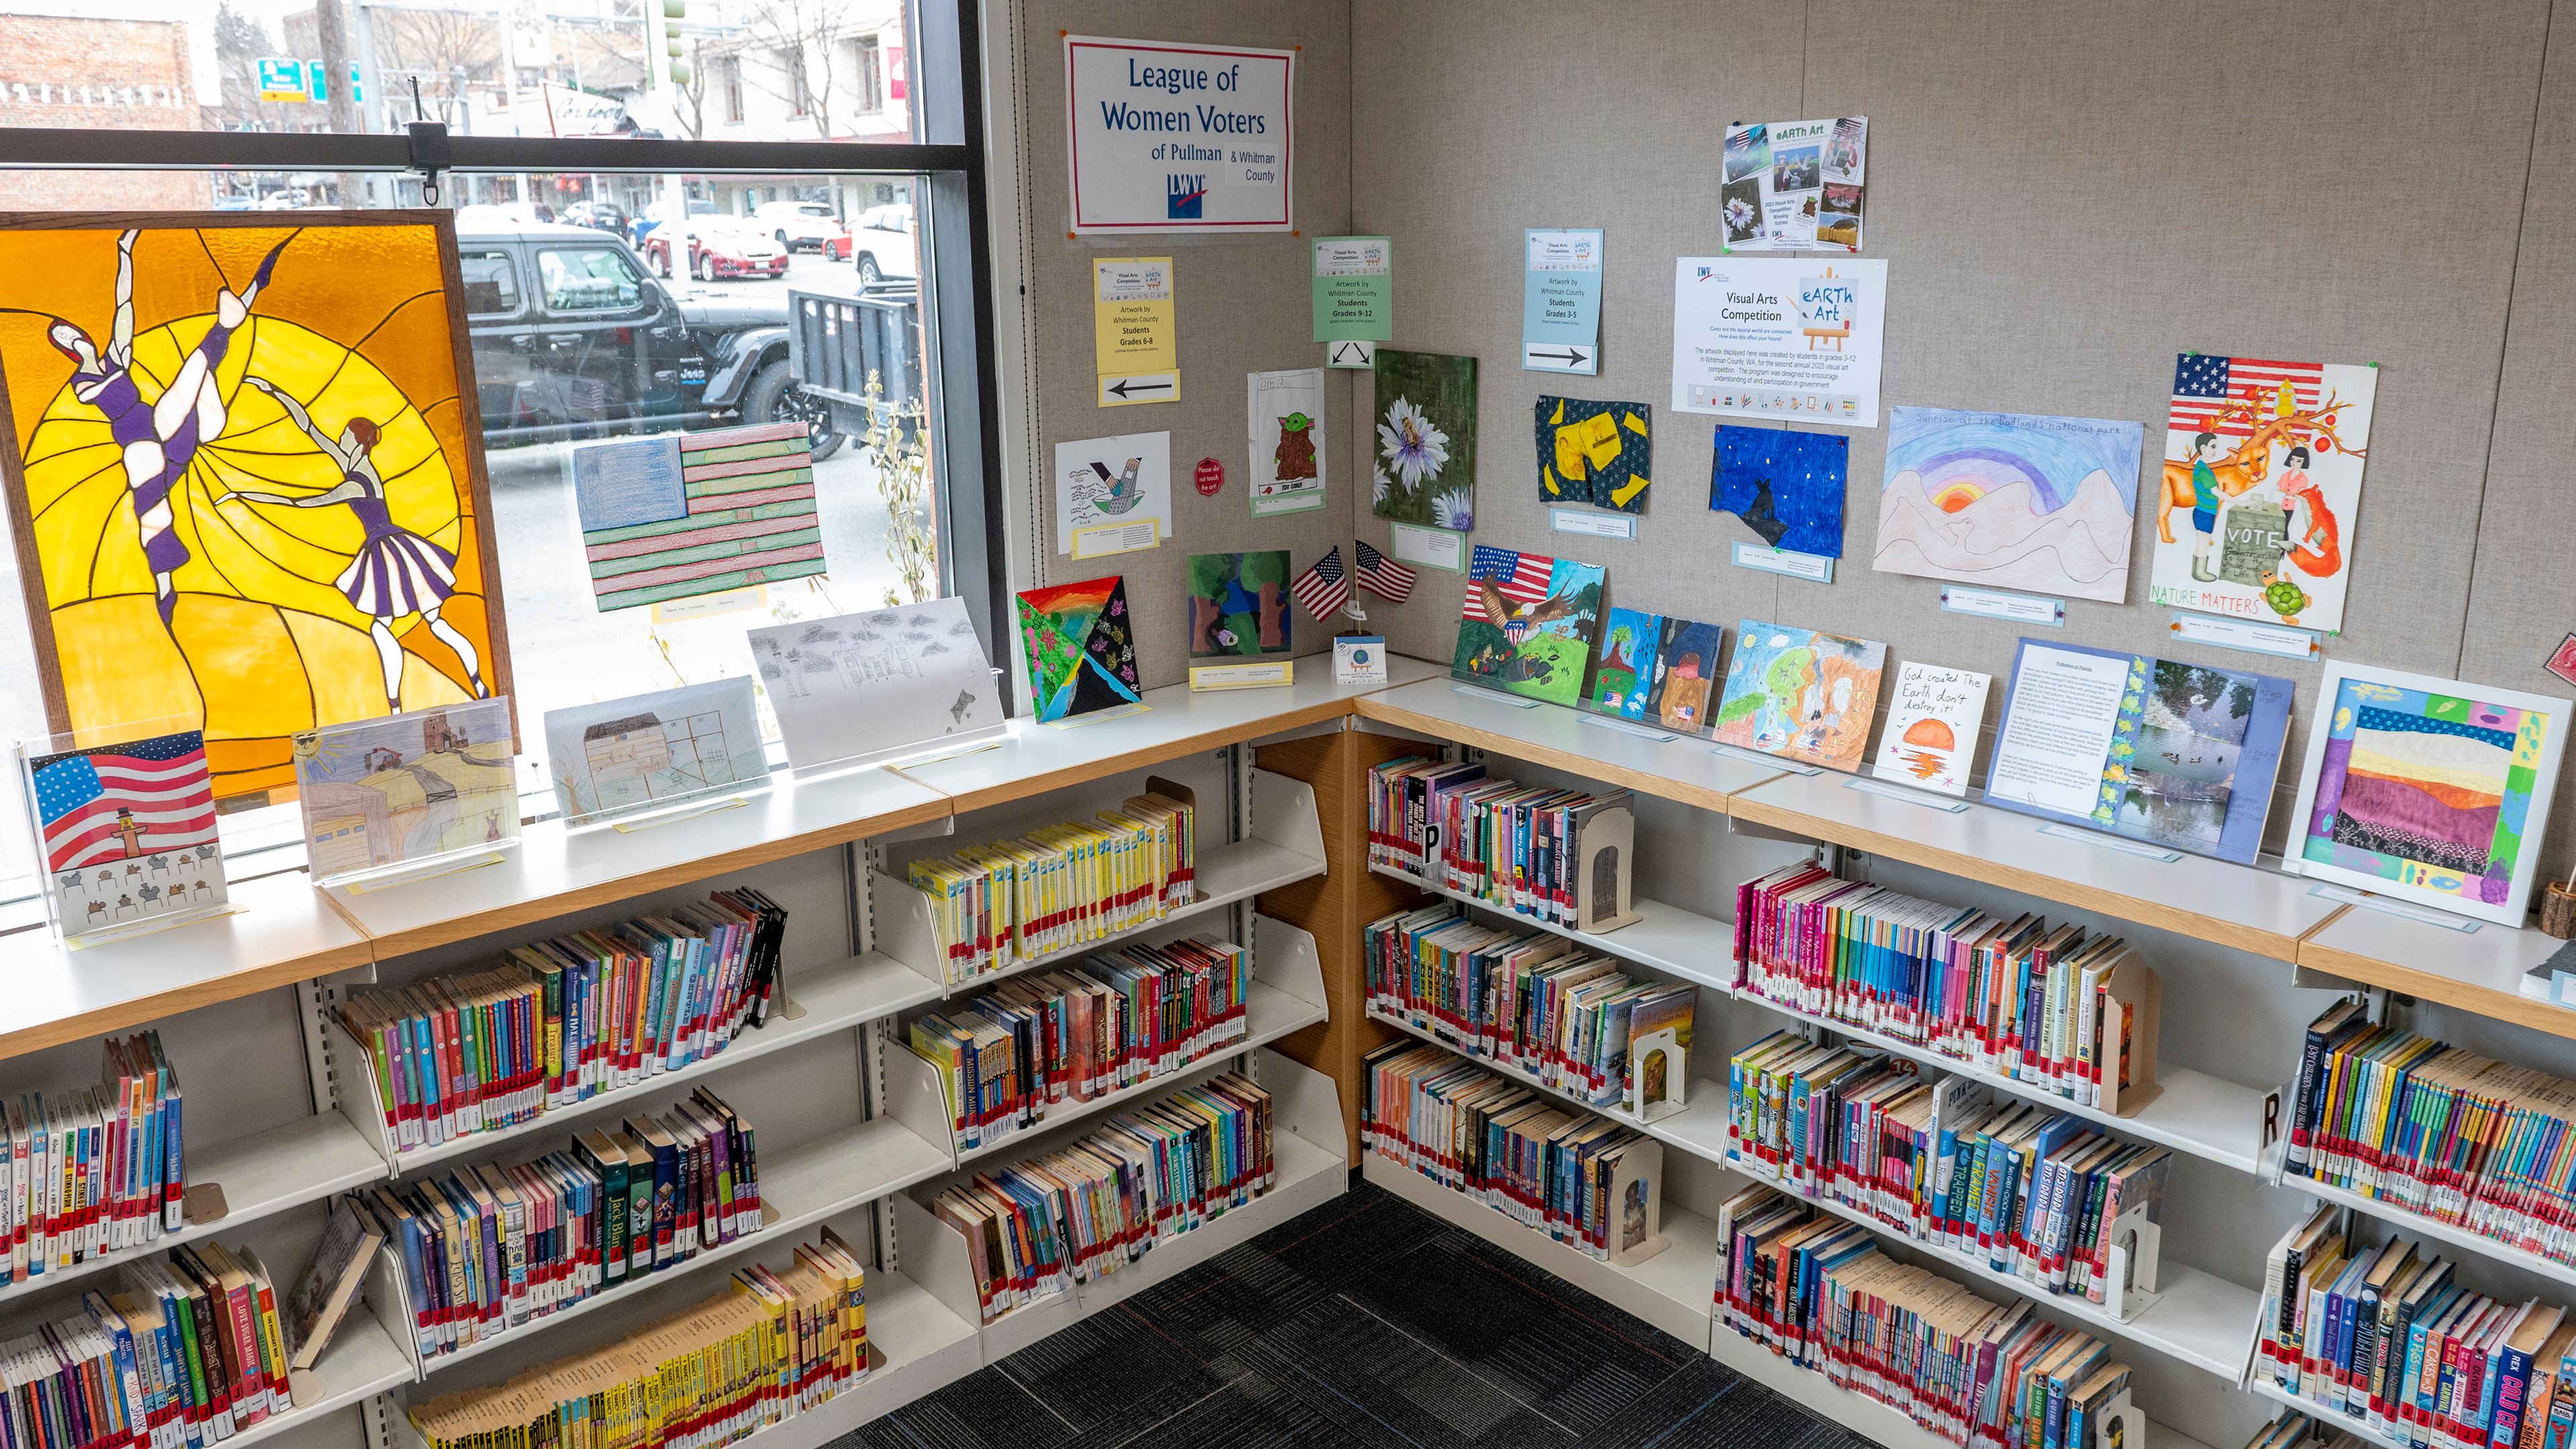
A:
[265,634]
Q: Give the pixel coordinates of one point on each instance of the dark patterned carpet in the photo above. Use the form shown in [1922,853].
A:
[1365,1322]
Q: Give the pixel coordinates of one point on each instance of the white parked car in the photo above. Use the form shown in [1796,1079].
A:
[881,245]
[797,226]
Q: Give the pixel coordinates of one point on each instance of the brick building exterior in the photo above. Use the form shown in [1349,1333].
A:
[128,75]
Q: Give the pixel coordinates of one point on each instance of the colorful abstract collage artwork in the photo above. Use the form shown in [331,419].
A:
[244,478]
[2428,788]
[1799,693]
[1526,625]
[1081,648]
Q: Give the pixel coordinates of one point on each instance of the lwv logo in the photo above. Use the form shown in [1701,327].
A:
[1183,196]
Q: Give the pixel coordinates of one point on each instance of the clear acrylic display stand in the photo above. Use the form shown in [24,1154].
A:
[915,752]
[404,797]
[123,820]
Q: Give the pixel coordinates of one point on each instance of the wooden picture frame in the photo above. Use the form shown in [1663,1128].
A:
[273,611]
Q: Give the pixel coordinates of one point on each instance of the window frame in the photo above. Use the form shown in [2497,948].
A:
[951,220]
[544,298]
[518,297]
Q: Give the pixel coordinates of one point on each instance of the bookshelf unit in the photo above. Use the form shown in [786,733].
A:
[267,978]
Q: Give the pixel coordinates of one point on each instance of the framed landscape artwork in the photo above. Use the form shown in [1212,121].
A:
[2427,789]
[245,475]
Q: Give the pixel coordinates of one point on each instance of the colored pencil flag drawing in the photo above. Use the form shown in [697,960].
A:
[697,513]
[128,830]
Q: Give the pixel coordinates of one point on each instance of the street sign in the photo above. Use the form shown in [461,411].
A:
[283,80]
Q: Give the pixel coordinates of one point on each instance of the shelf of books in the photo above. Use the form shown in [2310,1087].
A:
[969,937]
[1676,767]
[2487,969]
[1273,1139]
[1200,1001]
[265,1172]
[813,1004]
[1036,758]
[556,869]
[799,1188]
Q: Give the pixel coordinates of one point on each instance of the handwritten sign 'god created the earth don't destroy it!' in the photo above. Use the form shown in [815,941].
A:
[1168,137]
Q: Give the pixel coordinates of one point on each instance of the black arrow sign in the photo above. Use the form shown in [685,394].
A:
[1125,386]
[1349,349]
[1571,357]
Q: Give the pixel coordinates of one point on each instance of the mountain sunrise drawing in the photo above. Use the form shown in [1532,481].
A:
[2010,501]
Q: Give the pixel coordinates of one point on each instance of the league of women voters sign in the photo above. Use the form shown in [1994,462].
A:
[1170,137]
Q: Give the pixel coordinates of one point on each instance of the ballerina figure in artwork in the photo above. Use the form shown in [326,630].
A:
[395,573]
[158,438]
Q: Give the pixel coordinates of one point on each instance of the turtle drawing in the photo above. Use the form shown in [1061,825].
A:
[2283,597]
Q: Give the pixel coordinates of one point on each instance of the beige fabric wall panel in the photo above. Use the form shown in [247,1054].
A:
[2066,196]
[1241,306]
[2523,598]
[1540,115]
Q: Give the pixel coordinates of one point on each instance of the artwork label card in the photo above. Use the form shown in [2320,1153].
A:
[1561,301]
[1354,279]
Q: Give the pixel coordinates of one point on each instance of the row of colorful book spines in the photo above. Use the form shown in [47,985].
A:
[2007,1056]
[746,1402]
[2450,1127]
[2422,1417]
[1938,1408]
[74,1227]
[973,938]
[1547,1061]
[2544,1228]
[983,1101]
[1045,1254]
[1989,1235]
[1441,984]
[1995,1003]
[2434,1188]
[217,1362]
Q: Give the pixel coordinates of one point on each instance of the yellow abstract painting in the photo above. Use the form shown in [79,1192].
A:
[245,476]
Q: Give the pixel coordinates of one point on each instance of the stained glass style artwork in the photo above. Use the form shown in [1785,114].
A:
[245,476]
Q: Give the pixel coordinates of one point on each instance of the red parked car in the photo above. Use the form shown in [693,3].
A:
[719,248]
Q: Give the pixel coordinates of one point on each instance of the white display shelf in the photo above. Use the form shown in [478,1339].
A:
[266,1172]
[2197,1318]
[817,1003]
[1035,758]
[1308,1169]
[1679,943]
[2408,1222]
[1684,768]
[2478,971]
[556,869]
[800,1187]
[282,933]
[2251,908]
[361,1362]
[2361,1429]
[1670,1290]
[2196,1113]
[1858,1412]
[1286,845]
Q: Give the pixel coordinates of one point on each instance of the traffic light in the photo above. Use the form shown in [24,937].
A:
[673,12]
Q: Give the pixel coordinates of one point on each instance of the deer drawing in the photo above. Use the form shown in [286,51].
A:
[2252,458]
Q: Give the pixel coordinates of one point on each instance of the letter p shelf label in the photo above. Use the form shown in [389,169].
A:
[1168,137]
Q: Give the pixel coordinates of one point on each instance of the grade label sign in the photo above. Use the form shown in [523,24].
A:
[1167,137]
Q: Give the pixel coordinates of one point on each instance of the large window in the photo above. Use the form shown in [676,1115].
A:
[608,302]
